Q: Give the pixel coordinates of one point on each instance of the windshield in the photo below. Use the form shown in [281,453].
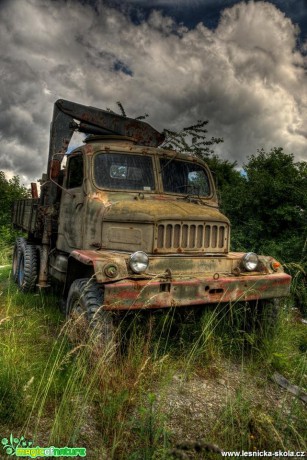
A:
[124,172]
[184,177]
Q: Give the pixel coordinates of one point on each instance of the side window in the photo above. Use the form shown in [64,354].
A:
[75,172]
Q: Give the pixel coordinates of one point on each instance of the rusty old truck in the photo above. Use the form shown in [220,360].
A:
[128,225]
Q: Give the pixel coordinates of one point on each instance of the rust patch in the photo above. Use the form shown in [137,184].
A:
[88,149]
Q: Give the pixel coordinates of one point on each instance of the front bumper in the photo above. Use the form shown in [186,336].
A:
[145,294]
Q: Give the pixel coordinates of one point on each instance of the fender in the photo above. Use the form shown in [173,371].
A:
[104,266]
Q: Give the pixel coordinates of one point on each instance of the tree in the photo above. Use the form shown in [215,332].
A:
[10,190]
[273,204]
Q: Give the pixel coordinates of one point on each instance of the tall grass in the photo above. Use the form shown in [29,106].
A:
[58,387]
[298,271]
[5,253]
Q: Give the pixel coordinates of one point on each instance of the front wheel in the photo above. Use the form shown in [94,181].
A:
[84,304]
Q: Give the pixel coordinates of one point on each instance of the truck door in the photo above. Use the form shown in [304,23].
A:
[70,233]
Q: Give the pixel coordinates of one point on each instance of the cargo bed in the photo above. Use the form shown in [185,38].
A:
[25,214]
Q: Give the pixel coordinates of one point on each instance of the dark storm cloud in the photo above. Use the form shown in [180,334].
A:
[246,76]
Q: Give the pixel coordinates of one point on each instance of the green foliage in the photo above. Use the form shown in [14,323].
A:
[10,190]
[230,185]
[192,139]
[12,405]
[298,271]
[247,425]
[24,321]
[149,426]
[273,199]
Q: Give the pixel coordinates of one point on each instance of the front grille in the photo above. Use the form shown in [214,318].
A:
[209,237]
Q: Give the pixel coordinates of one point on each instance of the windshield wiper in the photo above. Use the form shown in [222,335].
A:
[190,195]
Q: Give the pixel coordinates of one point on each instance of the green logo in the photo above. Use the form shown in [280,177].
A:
[10,445]
[20,447]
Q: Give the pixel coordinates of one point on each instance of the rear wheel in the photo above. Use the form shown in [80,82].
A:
[84,302]
[19,244]
[28,268]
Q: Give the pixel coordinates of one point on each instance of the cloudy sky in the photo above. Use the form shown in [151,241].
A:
[240,65]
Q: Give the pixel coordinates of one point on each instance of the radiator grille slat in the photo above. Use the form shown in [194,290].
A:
[192,236]
[214,236]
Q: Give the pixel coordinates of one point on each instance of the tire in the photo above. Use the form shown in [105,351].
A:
[19,243]
[28,268]
[85,298]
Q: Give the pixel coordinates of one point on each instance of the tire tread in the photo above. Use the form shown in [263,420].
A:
[30,261]
[90,295]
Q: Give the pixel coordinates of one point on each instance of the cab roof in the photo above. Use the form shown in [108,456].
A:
[113,143]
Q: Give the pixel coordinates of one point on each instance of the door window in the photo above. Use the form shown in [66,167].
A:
[75,172]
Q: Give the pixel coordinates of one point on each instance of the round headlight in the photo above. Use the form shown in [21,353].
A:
[138,261]
[250,261]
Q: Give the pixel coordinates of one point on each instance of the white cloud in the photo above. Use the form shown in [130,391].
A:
[246,77]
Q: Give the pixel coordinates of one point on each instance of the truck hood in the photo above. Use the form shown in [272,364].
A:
[158,210]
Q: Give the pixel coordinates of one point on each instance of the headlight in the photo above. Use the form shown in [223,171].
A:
[250,261]
[138,261]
